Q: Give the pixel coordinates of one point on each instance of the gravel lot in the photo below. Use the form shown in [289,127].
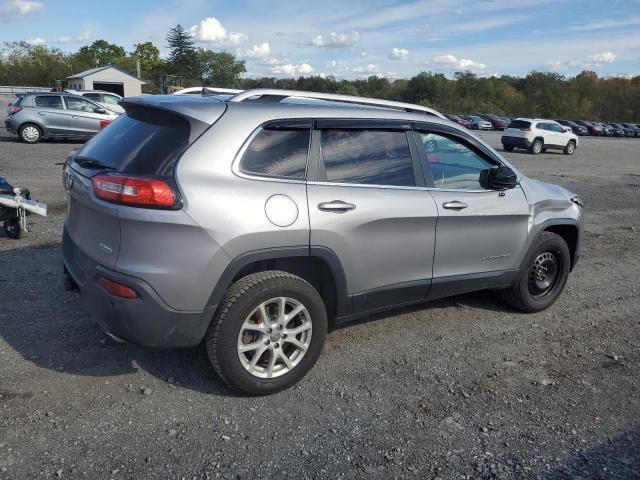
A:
[461,388]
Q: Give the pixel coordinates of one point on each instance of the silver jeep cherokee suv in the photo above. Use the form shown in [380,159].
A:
[257,221]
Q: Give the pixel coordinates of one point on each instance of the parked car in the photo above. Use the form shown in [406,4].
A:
[592,128]
[607,130]
[477,123]
[460,121]
[626,132]
[258,252]
[210,90]
[537,135]
[496,122]
[108,100]
[577,129]
[632,127]
[47,115]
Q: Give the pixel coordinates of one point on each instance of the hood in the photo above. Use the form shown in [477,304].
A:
[537,191]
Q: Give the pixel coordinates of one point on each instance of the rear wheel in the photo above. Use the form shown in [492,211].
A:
[12,228]
[268,332]
[474,127]
[30,133]
[542,280]
[536,146]
[508,148]
[570,148]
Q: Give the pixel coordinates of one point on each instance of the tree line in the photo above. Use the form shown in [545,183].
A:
[540,94]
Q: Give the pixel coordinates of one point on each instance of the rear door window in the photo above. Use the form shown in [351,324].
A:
[369,157]
[49,101]
[140,141]
[519,124]
[278,152]
[79,105]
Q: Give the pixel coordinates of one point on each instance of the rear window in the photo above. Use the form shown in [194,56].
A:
[48,101]
[278,153]
[519,124]
[141,141]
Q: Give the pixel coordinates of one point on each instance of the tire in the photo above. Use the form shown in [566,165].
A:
[570,148]
[544,150]
[536,146]
[12,228]
[507,148]
[474,127]
[527,294]
[30,133]
[239,321]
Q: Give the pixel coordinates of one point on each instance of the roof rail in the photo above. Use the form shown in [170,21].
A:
[273,95]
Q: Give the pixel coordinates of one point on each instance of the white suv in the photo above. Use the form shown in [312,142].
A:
[537,135]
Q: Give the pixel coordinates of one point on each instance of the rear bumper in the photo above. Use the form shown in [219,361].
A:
[520,142]
[7,126]
[146,320]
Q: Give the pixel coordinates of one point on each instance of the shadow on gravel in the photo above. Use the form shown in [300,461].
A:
[619,459]
[48,327]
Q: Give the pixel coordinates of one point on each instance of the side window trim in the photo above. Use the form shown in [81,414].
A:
[468,141]
[292,123]
[364,124]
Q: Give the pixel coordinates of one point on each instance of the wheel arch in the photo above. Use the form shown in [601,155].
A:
[569,233]
[319,266]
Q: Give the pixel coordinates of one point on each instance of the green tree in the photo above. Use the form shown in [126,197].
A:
[98,54]
[182,55]
[219,69]
[149,56]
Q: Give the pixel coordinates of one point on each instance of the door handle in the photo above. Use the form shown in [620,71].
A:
[75,118]
[455,205]
[336,206]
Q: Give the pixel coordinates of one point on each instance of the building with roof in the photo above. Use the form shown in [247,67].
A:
[106,78]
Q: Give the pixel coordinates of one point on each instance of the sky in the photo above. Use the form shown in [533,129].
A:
[356,38]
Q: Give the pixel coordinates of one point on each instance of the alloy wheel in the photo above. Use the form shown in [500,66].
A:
[274,337]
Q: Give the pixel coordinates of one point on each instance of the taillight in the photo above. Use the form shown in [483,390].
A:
[104,123]
[525,129]
[13,110]
[140,192]
[117,289]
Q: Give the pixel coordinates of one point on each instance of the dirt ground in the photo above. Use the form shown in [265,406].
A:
[459,388]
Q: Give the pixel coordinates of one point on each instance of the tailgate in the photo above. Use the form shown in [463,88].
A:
[93,226]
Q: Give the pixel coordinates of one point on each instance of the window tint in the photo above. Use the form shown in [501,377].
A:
[557,128]
[519,124]
[79,104]
[49,101]
[375,157]
[277,153]
[452,163]
[142,141]
[93,96]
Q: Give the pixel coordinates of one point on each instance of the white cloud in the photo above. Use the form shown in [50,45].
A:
[604,57]
[607,24]
[370,68]
[261,51]
[17,9]
[591,62]
[336,40]
[364,54]
[36,41]
[451,62]
[210,30]
[291,69]
[399,54]
[83,37]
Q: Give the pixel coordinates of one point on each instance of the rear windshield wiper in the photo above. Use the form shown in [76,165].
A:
[85,162]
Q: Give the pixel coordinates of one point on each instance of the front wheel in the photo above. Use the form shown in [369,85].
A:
[12,228]
[570,148]
[474,127]
[268,332]
[544,276]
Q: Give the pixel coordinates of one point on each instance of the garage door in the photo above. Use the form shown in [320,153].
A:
[110,87]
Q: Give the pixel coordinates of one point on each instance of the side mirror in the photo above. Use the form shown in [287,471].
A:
[498,178]
[100,110]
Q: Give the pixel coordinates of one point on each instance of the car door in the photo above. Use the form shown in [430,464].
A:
[368,204]
[561,137]
[83,120]
[480,233]
[49,112]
